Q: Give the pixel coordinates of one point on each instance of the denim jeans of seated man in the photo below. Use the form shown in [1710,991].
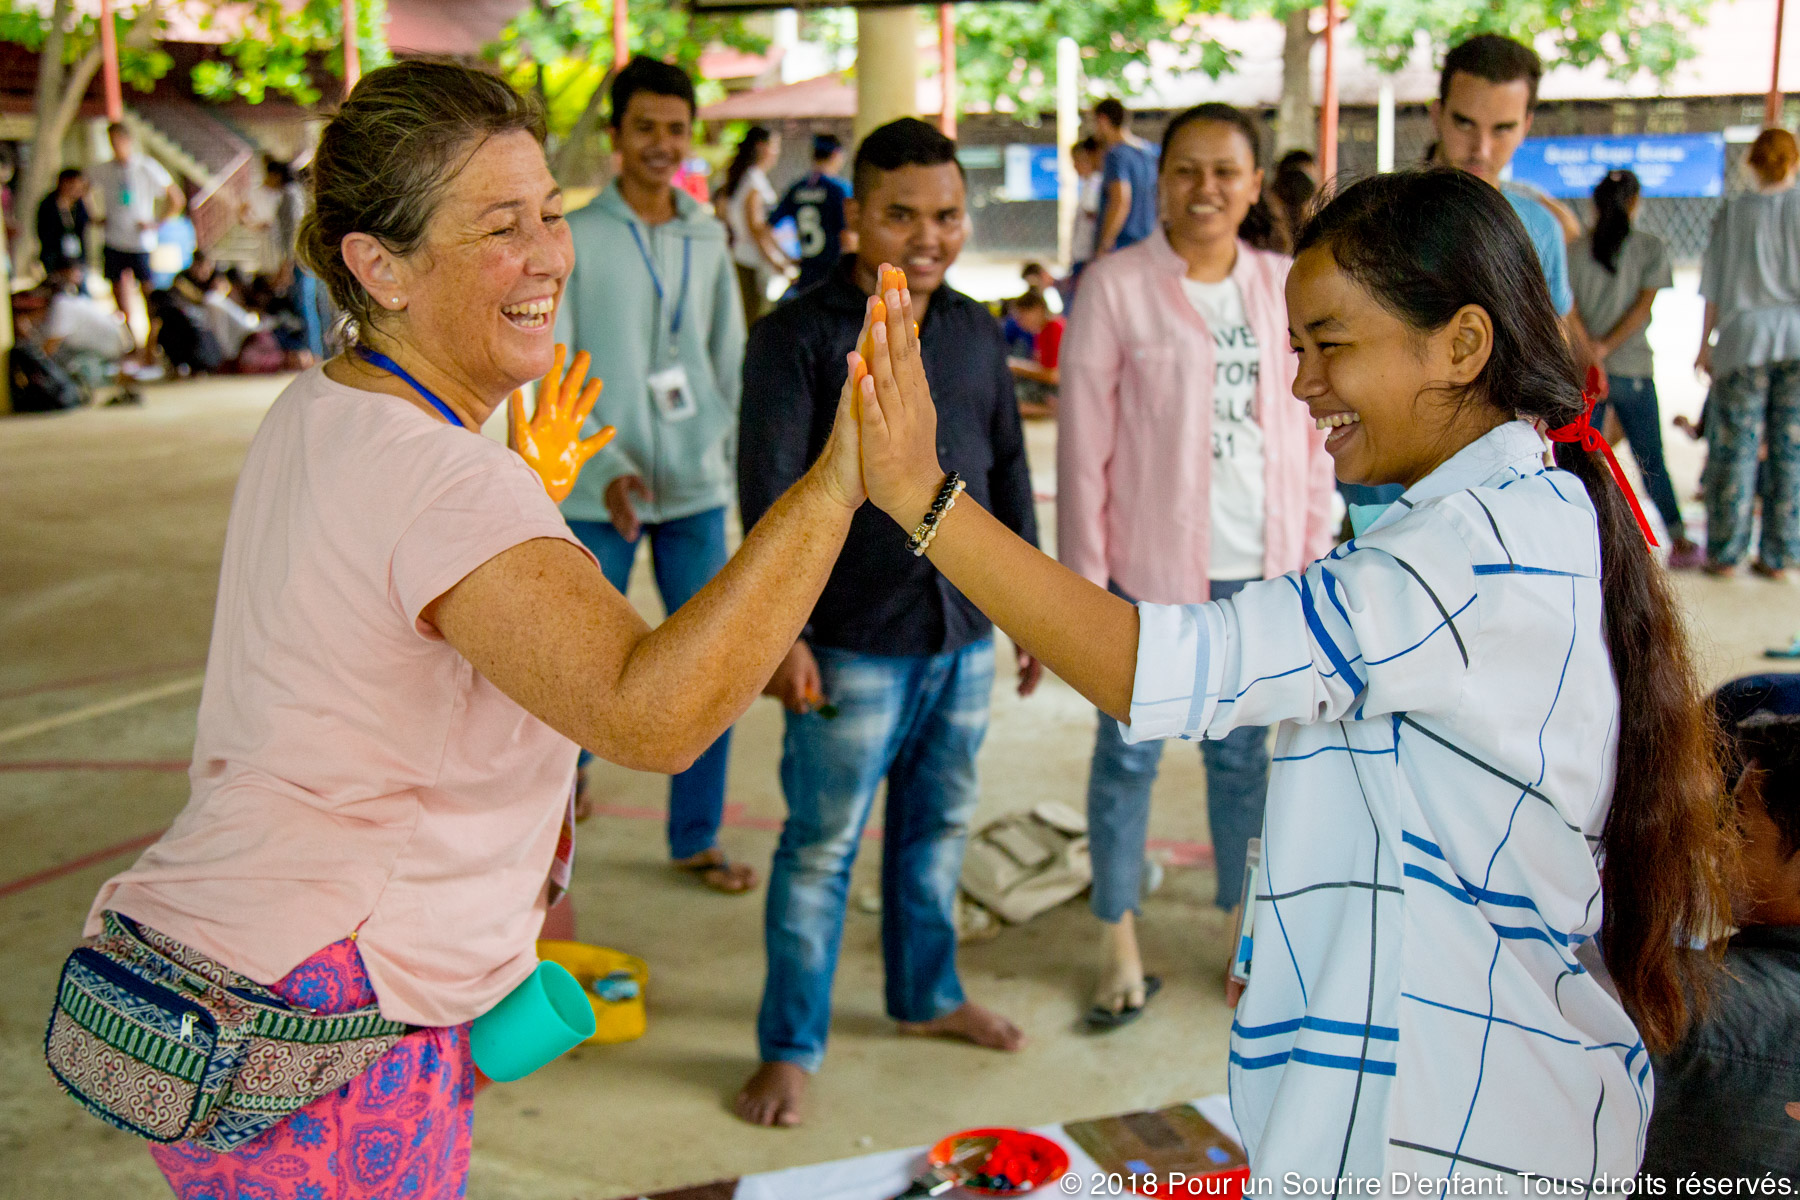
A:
[919,722]
[1118,804]
[685,553]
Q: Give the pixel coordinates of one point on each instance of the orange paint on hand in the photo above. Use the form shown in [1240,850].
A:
[893,279]
[550,441]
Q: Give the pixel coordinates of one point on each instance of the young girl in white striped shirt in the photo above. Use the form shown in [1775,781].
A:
[1492,755]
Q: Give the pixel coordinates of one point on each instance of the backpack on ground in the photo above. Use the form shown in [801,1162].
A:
[1028,861]
[40,383]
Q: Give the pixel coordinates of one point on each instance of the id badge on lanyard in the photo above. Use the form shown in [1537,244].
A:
[671,392]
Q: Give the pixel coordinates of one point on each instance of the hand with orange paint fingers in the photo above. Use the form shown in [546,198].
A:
[891,279]
[551,440]
[899,422]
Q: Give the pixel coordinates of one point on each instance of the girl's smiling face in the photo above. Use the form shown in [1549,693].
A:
[1392,396]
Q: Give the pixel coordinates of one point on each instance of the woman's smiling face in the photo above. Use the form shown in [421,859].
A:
[481,292]
[1390,394]
[1207,182]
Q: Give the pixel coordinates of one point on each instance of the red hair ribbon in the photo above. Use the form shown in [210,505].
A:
[1581,431]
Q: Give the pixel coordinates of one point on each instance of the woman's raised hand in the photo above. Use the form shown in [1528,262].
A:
[551,440]
[840,467]
[899,422]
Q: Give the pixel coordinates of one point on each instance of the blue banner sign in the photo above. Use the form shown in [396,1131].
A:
[1667,164]
[1030,172]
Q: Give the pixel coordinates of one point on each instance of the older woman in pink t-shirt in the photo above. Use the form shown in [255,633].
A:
[410,645]
[1184,471]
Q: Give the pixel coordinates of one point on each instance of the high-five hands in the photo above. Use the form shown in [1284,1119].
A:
[898,420]
[841,463]
[551,440]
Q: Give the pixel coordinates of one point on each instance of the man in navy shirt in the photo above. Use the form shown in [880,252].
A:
[816,206]
[1127,181]
[892,676]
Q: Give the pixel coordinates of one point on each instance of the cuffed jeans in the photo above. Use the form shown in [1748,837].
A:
[1640,416]
[686,553]
[1118,804]
[918,722]
[1749,408]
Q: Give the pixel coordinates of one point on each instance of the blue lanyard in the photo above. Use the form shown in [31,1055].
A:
[376,358]
[687,257]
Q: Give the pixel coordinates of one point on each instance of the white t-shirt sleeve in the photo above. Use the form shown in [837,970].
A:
[155,172]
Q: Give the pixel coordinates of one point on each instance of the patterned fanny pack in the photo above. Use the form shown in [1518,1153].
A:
[161,1041]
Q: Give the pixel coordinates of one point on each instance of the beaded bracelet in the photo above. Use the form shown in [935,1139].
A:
[921,538]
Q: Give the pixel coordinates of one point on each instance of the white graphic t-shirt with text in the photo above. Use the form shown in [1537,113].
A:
[1238,490]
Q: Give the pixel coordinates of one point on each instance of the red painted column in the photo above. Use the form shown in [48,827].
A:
[352,53]
[109,64]
[621,36]
[1328,104]
[1772,107]
[947,68]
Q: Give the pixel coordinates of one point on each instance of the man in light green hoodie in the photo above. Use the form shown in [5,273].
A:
[654,300]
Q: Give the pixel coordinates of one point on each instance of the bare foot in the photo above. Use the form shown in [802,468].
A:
[971,1023]
[717,872]
[772,1096]
[1121,983]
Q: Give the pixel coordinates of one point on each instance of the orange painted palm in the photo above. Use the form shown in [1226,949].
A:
[551,440]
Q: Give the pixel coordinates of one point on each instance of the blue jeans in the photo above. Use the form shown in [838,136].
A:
[1641,418]
[686,553]
[1118,804]
[1748,409]
[918,722]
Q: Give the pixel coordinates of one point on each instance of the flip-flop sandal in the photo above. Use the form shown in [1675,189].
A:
[1791,651]
[701,870]
[1100,1019]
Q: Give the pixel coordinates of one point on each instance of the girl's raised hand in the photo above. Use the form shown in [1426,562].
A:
[899,421]
[551,440]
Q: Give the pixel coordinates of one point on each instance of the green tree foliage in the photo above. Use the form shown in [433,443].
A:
[275,47]
[563,51]
[1627,36]
[1007,52]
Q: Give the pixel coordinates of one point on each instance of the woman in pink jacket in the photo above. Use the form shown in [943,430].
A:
[1183,474]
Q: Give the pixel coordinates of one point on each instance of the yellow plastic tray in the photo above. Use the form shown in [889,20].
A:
[621,1022]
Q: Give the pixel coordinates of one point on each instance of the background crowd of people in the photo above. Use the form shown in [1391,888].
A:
[260,315]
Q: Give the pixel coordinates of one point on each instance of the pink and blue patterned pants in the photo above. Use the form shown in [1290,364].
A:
[399,1131]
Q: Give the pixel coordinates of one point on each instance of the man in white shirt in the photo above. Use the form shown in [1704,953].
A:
[131,188]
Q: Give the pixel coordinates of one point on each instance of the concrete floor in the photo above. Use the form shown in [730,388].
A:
[111,524]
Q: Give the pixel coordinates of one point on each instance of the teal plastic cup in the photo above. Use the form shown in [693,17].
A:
[536,1023]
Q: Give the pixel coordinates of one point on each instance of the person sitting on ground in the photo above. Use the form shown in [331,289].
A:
[1728,1097]
[1038,279]
[1038,376]
[85,335]
[206,293]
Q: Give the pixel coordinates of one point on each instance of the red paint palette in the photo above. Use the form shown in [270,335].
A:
[1026,1160]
